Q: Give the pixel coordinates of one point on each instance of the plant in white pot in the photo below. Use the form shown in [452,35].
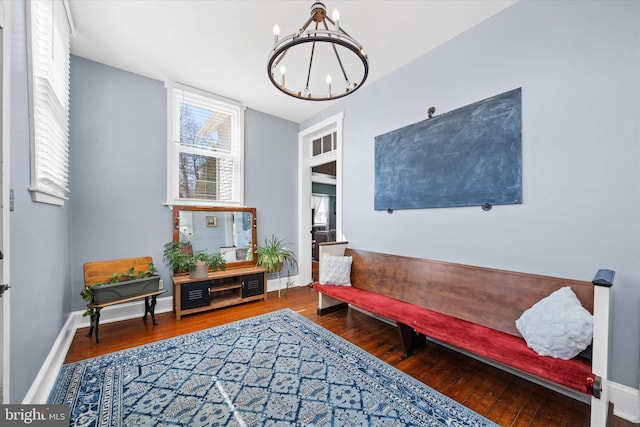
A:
[274,256]
[197,264]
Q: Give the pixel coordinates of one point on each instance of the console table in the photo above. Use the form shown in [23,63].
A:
[219,289]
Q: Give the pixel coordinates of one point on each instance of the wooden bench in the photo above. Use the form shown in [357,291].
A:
[101,271]
[473,310]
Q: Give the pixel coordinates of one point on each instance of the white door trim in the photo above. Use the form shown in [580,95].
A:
[5,22]
[305,162]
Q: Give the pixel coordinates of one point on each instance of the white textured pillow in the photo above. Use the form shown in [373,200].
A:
[335,270]
[557,325]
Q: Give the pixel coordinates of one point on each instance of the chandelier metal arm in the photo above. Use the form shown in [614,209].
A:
[319,36]
[304,27]
[335,51]
[313,49]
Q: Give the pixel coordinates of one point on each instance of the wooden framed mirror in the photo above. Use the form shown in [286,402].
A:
[232,231]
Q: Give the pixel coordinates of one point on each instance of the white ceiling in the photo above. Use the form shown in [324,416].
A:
[221,46]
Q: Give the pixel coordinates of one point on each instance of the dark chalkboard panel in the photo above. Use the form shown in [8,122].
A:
[466,157]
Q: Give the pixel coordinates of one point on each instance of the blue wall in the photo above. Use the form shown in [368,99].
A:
[118,156]
[118,168]
[118,190]
[578,65]
[271,176]
[40,240]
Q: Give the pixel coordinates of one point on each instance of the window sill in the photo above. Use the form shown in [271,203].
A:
[43,197]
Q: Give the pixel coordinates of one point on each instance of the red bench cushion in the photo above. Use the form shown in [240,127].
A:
[498,346]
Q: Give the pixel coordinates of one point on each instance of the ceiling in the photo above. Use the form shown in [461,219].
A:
[221,46]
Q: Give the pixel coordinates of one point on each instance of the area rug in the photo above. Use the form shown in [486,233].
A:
[277,369]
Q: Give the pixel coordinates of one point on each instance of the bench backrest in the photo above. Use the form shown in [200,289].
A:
[101,271]
[486,296]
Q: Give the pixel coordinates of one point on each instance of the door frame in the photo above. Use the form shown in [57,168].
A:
[5,23]
[306,161]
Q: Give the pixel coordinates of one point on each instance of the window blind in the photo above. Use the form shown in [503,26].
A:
[206,148]
[49,62]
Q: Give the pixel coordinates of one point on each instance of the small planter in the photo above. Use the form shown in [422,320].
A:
[109,292]
[201,271]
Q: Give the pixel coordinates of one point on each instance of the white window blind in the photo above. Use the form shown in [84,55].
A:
[205,149]
[49,29]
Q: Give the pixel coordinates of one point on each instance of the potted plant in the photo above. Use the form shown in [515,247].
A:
[274,256]
[197,264]
[122,285]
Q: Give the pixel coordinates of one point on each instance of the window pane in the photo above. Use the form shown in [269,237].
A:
[202,124]
[205,178]
[317,147]
[197,176]
[326,143]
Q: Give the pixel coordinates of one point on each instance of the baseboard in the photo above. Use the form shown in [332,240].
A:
[45,380]
[41,388]
[281,284]
[626,402]
[625,399]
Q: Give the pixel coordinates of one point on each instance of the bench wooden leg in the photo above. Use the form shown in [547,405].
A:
[410,339]
[326,310]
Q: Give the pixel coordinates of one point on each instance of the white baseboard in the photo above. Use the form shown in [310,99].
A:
[625,399]
[41,388]
[626,402]
[45,380]
[281,284]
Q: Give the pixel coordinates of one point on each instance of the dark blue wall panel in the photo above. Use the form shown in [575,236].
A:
[466,157]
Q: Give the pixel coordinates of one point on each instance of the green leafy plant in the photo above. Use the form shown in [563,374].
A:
[274,256]
[181,261]
[214,261]
[87,292]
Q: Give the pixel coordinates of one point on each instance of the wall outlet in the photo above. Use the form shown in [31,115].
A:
[161,284]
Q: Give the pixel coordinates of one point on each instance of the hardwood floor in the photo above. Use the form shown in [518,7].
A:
[501,397]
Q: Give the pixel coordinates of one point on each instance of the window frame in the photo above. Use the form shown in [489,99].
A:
[49,125]
[236,111]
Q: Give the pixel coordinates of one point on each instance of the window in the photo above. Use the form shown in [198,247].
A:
[49,51]
[320,210]
[205,149]
[324,144]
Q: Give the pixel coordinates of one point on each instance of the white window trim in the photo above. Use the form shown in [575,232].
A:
[172,150]
[40,191]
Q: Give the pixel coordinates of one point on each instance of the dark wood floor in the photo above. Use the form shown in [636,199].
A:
[501,397]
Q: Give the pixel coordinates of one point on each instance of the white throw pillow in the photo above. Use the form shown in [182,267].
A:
[335,270]
[557,325]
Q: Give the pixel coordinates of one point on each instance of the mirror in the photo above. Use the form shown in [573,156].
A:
[229,230]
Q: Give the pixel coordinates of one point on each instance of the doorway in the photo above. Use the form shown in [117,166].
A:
[319,161]
[323,211]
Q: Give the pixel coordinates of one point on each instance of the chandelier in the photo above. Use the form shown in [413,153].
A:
[311,63]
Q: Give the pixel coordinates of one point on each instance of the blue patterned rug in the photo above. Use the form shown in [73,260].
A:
[278,369]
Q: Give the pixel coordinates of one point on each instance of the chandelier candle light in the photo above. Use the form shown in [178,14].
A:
[316,53]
